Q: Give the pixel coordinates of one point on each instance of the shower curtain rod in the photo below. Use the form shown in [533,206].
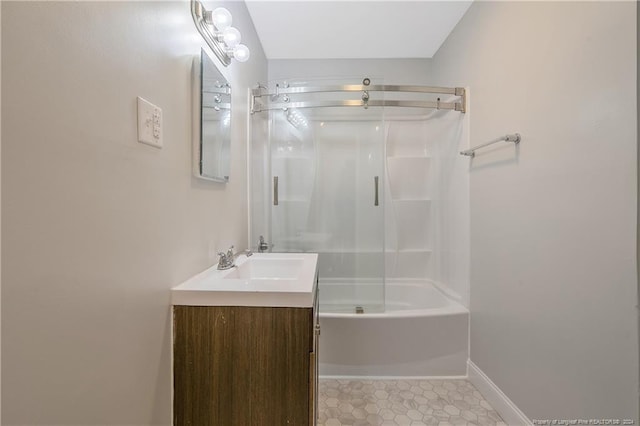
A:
[279,99]
[455,106]
[262,91]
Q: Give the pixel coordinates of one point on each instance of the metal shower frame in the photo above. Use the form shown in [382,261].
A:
[279,99]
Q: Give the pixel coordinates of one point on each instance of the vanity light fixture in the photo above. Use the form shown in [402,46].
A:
[215,27]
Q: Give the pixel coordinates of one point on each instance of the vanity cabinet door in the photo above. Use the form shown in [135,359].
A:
[240,366]
[206,389]
[279,346]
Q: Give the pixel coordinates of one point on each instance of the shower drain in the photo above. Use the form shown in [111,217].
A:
[359,310]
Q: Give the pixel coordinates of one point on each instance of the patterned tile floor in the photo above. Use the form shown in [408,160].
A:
[403,402]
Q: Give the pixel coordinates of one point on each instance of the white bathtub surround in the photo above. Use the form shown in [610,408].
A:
[403,402]
[503,405]
[426,186]
[415,321]
[427,203]
[421,333]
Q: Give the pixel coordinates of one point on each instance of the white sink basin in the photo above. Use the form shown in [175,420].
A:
[266,268]
[263,279]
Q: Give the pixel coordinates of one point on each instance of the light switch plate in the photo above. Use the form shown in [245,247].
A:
[149,123]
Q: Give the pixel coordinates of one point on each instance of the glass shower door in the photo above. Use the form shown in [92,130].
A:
[327,177]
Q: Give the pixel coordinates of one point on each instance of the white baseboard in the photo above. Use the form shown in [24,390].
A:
[509,412]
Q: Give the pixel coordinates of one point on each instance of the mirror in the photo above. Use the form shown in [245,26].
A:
[213,149]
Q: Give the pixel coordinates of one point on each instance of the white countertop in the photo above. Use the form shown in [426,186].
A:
[212,288]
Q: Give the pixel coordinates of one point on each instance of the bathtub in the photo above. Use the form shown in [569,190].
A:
[422,333]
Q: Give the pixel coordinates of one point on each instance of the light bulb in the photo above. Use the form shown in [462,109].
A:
[231,37]
[241,53]
[221,18]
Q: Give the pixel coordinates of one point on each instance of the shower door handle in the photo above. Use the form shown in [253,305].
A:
[375,185]
[275,190]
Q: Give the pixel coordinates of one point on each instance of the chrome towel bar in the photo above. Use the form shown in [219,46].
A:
[471,152]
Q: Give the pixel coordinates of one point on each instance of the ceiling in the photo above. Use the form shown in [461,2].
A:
[356,29]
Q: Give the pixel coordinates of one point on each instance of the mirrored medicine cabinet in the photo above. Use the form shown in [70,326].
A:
[212,118]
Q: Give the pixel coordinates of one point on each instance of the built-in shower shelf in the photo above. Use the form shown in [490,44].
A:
[409,251]
[294,200]
[350,251]
[409,157]
[388,251]
[292,157]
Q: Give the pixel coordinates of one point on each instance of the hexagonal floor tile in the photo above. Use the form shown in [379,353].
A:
[403,402]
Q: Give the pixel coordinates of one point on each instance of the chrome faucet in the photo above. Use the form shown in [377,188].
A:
[227,260]
[262,245]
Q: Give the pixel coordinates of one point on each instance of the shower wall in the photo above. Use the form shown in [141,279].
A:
[426,191]
[427,221]
[325,172]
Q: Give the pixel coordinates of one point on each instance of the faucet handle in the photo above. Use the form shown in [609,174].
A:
[226,260]
[262,245]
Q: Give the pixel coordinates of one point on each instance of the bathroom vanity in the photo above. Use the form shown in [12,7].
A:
[245,343]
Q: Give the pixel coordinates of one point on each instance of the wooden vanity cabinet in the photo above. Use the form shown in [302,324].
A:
[237,365]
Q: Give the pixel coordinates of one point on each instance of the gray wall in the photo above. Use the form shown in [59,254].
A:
[553,221]
[97,227]
[0,222]
[398,71]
